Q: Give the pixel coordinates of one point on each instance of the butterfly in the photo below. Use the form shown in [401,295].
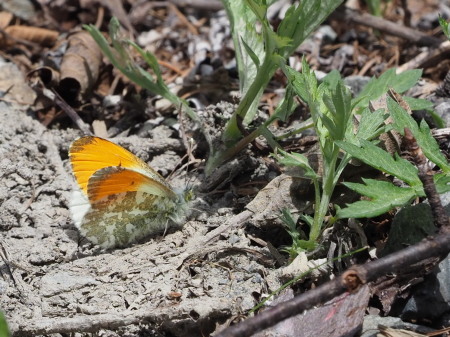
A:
[120,199]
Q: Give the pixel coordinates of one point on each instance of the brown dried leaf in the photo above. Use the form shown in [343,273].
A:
[5,19]
[40,36]
[80,66]
[48,76]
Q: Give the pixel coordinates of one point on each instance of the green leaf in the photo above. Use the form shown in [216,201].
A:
[444,26]
[375,87]
[251,54]
[340,109]
[423,135]
[442,182]
[243,24]
[383,161]
[423,104]
[418,103]
[405,80]
[302,19]
[296,160]
[332,78]
[286,107]
[259,8]
[385,196]
[378,86]
[304,84]
[374,7]
[121,58]
[371,124]
[4,330]
[269,137]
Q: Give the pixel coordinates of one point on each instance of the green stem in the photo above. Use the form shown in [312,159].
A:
[328,187]
[265,73]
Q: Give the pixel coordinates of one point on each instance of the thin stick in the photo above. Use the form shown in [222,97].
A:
[386,26]
[70,112]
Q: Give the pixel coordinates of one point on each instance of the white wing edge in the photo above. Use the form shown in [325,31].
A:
[79,205]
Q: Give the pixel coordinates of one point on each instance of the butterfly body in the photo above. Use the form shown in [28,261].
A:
[121,199]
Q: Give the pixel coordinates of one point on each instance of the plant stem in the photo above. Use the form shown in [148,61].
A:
[327,191]
[262,78]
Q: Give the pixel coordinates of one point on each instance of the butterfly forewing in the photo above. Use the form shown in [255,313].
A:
[90,154]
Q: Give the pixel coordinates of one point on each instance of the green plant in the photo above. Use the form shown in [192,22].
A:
[4,330]
[333,111]
[260,51]
[119,55]
[445,26]
[384,195]
[374,7]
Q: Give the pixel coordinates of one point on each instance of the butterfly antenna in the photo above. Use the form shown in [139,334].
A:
[188,144]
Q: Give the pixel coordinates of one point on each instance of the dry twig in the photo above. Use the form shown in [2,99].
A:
[386,26]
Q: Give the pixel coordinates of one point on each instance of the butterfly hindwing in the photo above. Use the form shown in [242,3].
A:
[120,219]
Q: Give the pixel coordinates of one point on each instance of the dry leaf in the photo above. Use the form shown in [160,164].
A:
[41,36]
[80,66]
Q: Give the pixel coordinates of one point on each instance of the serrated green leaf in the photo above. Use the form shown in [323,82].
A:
[389,79]
[423,134]
[430,147]
[383,161]
[423,104]
[385,196]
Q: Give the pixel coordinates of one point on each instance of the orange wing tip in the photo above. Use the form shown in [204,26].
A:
[115,180]
[90,154]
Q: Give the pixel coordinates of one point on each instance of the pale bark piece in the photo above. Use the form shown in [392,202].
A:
[282,192]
